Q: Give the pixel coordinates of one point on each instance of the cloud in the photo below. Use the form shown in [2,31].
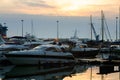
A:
[37,3]
[57,7]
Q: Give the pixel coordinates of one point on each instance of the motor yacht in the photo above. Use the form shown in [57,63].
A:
[40,55]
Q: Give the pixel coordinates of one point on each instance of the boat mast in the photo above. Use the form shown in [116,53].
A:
[91,25]
[119,22]
[116,29]
[102,24]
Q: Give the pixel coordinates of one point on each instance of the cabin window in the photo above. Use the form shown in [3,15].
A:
[51,49]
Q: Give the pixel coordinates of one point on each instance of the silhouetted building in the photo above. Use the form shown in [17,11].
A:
[3,31]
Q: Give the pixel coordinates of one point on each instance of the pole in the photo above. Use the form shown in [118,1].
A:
[22,27]
[32,27]
[57,30]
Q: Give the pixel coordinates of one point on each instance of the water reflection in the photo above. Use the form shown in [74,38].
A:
[43,72]
[77,72]
[105,70]
[38,73]
[4,70]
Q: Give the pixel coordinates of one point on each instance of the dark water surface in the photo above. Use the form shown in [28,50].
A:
[46,72]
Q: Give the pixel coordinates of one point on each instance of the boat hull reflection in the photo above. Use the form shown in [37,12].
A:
[44,72]
[36,72]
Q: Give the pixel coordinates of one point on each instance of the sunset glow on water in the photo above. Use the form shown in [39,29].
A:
[93,75]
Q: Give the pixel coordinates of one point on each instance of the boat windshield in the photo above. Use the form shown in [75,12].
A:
[48,48]
[40,48]
[54,49]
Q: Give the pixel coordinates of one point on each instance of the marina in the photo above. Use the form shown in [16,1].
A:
[92,53]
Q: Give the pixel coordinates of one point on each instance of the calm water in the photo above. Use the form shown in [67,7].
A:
[77,72]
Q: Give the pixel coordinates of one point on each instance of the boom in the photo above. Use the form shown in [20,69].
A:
[92,27]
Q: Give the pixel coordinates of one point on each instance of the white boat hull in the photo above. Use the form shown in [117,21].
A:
[37,60]
[40,55]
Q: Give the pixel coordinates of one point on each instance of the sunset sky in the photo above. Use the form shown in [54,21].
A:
[72,14]
[58,7]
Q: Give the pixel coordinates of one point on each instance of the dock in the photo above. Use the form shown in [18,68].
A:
[97,61]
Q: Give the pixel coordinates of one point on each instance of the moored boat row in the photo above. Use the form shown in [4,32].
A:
[52,52]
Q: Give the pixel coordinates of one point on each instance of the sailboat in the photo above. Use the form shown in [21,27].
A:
[113,51]
[81,49]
